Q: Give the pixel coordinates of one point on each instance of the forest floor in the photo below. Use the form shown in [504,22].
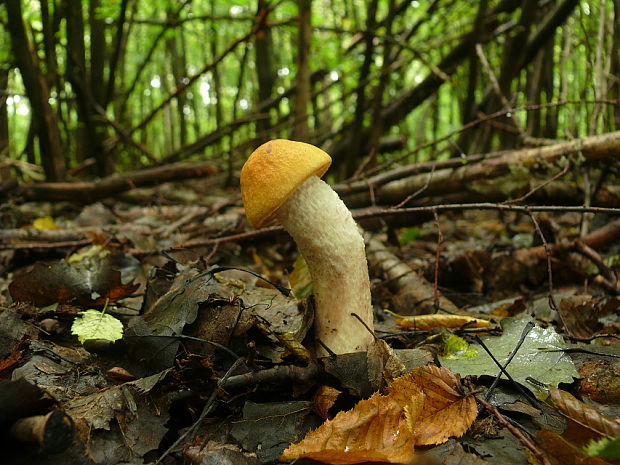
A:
[213,364]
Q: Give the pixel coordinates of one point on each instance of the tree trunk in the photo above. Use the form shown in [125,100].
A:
[97,52]
[356,143]
[52,156]
[90,130]
[614,86]
[301,131]
[264,67]
[4,114]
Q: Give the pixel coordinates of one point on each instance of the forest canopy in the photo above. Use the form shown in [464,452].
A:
[91,88]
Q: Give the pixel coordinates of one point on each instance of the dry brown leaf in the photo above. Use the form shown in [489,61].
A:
[438,321]
[447,412]
[425,406]
[585,415]
[324,398]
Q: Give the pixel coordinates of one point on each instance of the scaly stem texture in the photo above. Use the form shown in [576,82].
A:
[333,248]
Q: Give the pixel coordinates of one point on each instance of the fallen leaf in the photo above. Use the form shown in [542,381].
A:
[93,324]
[324,398]
[425,406]
[376,430]
[45,223]
[538,357]
[438,321]
[87,283]
[447,412]
[584,414]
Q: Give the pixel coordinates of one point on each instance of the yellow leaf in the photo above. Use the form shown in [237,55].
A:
[45,223]
[438,321]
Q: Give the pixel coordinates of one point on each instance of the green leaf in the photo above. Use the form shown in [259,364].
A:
[538,357]
[409,234]
[93,324]
[605,448]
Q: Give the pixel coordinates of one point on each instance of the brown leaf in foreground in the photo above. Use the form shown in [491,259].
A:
[438,321]
[423,407]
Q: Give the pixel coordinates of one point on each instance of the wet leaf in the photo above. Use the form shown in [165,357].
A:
[534,359]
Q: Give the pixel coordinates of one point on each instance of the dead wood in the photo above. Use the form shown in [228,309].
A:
[86,192]
[508,270]
[414,294]
[352,187]
[51,433]
[476,177]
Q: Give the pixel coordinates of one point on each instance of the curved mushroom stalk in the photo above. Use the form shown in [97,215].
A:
[333,248]
[281,179]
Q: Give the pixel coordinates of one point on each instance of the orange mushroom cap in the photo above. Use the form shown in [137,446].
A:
[273,172]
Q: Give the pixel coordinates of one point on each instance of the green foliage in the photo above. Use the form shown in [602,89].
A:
[605,448]
[165,44]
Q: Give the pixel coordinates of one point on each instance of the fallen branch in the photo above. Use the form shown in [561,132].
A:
[412,213]
[466,178]
[86,192]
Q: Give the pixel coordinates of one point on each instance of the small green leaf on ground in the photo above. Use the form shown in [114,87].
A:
[93,324]
[605,448]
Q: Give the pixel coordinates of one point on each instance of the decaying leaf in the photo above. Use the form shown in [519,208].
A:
[425,406]
[584,414]
[438,321]
[88,283]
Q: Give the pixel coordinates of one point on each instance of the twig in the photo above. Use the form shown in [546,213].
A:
[416,193]
[608,274]
[528,327]
[552,303]
[523,439]
[547,182]
[437,256]
[205,411]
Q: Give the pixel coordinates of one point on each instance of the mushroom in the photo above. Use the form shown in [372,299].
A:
[281,180]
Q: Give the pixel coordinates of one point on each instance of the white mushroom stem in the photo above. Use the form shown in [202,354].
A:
[333,248]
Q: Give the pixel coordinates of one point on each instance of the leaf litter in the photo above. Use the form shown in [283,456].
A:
[393,405]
